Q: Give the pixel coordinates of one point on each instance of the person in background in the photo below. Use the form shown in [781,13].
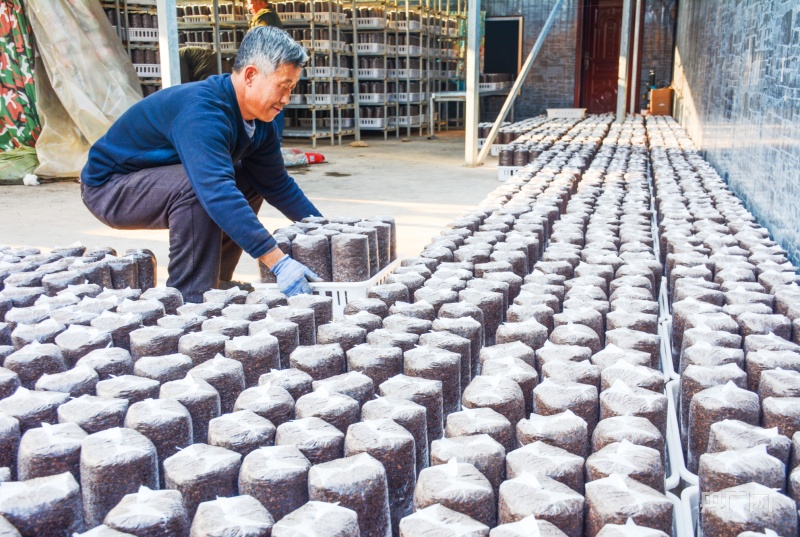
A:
[198,63]
[265,15]
[199,159]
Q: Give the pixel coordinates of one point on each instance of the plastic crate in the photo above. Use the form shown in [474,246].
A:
[330,18]
[200,44]
[326,45]
[409,50]
[346,123]
[452,32]
[493,86]
[373,123]
[228,47]
[370,48]
[294,16]
[197,19]
[413,97]
[342,293]
[409,25]
[147,70]
[566,113]
[307,122]
[143,35]
[371,98]
[297,99]
[505,172]
[230,17]
[371,23]
[142,2]
[371,74]
[496,148]
[406,73]
[327,98]
[410,121]
[328,72]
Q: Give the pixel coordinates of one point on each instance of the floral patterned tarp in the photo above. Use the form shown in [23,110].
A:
[19,123]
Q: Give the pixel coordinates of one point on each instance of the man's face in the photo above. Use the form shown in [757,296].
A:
[266,96]
[256,5]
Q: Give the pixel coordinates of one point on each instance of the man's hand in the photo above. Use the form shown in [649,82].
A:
[293,277]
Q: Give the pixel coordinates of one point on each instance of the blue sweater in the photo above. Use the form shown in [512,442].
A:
[200,126]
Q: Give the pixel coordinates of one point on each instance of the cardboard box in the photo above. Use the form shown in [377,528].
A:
[661,102]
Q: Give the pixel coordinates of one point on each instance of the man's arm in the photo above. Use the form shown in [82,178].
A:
[272,181]
[203,135]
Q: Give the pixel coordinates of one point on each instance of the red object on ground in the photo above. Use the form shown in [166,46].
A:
[315,158]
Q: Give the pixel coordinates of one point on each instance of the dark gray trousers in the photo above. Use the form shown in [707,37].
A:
[200,254]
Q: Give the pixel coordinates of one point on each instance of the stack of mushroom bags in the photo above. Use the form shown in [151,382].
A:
[733,297]
[556,415]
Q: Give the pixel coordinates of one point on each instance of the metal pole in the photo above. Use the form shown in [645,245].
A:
[168,43]
[636,77]
[624,56]
[216,37]
[473,99]
[512,95]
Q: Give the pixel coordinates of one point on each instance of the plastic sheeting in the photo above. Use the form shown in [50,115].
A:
[87,82]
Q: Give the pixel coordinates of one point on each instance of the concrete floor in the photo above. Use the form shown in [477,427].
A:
[422,183]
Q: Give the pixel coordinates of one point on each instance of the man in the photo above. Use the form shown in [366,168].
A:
[199,159]
[263,14]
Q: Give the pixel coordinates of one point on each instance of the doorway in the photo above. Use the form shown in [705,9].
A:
[598,68]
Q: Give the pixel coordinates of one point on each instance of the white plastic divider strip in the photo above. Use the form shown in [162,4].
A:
[678,520]
[674,440]
[690,511]
[674,459]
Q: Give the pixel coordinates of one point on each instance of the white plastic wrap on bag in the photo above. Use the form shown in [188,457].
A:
[566,430]
[553,397]
[393,446]
[635,429]
[630,529]
[641,463]
[242,516]
[358,483]
[155,513]
[623,400]
[617,498]
[201,472]
[242,432]
[500,394]
[740,516]
[440,520]
[529,526]
[481,450]
[277,476]
[199,397]
[759,361]
[632,375]
[737,435]
[611,354]
[708,355]
[318,440]
[711,405]
[542,497]
[726,469]
[458,486]
[43,506]
[542,459]
[50,450]
[32,408]
[114,462]
[318,519]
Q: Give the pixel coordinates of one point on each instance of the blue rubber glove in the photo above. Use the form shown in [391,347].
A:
[293,277]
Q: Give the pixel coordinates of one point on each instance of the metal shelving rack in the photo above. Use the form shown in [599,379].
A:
[336,106]
[138,39]
[236,22]
[373,52]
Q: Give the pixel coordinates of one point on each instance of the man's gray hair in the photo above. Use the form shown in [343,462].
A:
[268,48]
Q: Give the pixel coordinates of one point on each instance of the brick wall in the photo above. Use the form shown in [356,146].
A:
[551,82]
[737,87]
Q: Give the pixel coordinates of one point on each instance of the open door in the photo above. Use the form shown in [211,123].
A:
[599,63]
